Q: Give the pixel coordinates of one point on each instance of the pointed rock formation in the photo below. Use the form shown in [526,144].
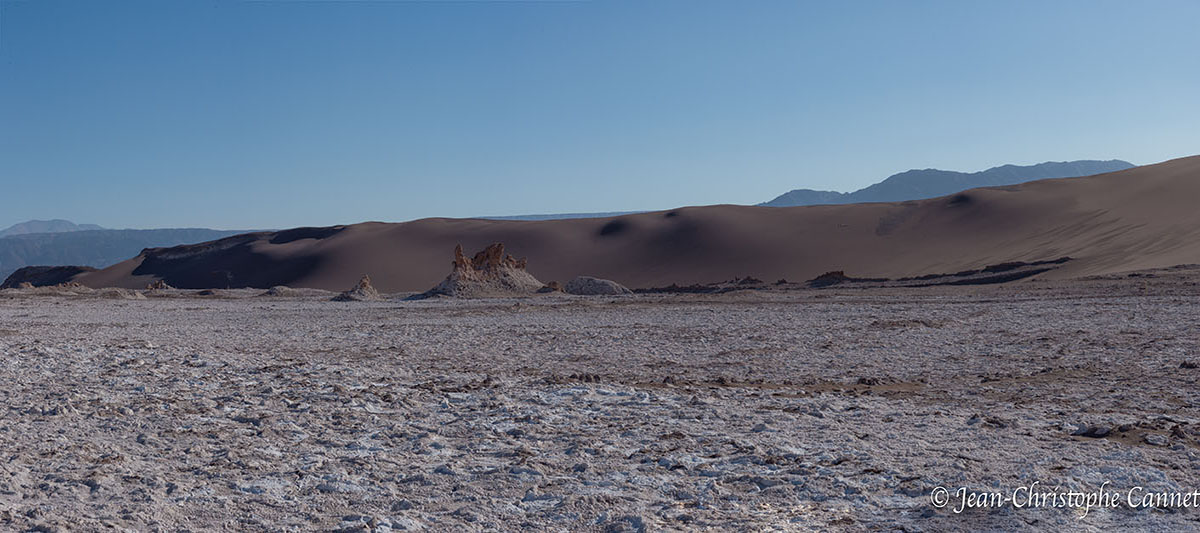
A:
[363,292]
[586,286]
[490,273]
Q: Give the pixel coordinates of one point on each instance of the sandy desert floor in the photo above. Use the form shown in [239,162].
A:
[831,409]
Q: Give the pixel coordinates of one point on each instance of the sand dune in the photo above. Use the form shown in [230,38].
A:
[1140,218]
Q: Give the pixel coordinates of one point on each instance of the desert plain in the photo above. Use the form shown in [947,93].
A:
[827,409]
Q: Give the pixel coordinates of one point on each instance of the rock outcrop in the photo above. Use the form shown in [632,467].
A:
[490,273]
[119,294]
[587,286]
[158,285]
[551,286]
[282,291]
[829,278]
[363,292]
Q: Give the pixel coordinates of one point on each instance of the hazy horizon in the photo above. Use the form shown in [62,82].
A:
[281,114]
[518,216]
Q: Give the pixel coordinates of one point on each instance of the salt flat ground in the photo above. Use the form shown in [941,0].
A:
[833,409]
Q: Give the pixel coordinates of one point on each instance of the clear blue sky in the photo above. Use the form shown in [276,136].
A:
[283,113]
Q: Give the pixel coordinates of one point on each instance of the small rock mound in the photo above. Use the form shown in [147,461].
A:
[282,291]
[25,285]
[119,294]
[551,286]
[587,286]
[158,285]
[363,292]
[490,273]
[829,278]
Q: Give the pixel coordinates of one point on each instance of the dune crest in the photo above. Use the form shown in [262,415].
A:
[1134,219]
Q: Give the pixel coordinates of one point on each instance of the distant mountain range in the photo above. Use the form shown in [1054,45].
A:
[932,183]
[88,247]
[910,185]
[57,225]
[62,242]
[1136,219]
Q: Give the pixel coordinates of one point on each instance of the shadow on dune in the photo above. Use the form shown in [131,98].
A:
[1134,219]
[231,262]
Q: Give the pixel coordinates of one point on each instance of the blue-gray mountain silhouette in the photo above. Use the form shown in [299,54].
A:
[94,248]
[932,183]
[57,225]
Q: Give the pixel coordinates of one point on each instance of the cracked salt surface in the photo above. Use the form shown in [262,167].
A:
[800,410]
